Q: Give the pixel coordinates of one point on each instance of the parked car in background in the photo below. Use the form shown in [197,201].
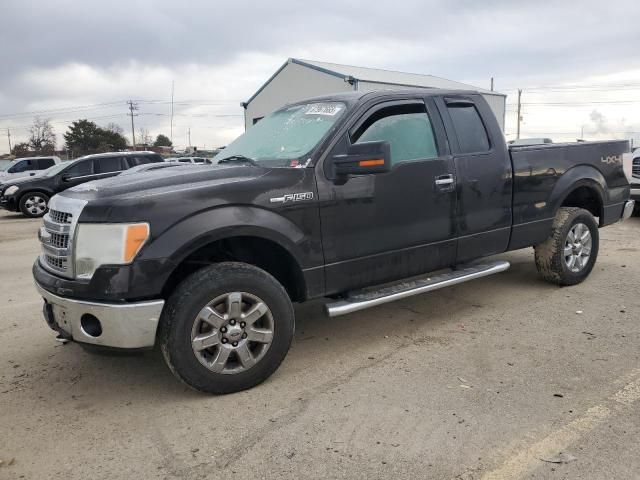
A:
[31,195]
[201,160]
[28,166]
[154,166]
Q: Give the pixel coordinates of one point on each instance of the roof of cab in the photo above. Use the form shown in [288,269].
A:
[355,96]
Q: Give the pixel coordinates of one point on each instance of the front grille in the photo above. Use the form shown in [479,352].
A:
[635,168]
[59,240]
[55,240]
[58,263]
[57,234]
[60,217]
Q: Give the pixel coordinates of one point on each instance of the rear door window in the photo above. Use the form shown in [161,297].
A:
[137,160]
[472,136]
[44,163]
[108,164]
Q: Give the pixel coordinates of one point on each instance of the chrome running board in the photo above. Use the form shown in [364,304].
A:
[366,298]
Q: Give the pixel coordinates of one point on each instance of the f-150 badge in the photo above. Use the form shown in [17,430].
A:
[292,197]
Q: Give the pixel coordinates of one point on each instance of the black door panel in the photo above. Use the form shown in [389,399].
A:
[483,177]
[381,227]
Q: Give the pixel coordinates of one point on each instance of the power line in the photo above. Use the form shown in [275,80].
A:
[70,109]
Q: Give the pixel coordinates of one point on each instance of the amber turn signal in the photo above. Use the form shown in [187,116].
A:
[136,236]
[371,163]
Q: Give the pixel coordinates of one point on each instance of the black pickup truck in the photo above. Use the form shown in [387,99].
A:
[355,197]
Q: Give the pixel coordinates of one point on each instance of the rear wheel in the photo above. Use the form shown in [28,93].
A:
[569,254]
[34,204]
[226,328]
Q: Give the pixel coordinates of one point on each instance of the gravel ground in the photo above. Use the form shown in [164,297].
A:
[496,378]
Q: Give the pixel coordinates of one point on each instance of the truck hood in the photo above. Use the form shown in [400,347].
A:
[143,196]
[162,182]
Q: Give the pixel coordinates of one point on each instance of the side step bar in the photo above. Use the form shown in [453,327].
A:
[362,299]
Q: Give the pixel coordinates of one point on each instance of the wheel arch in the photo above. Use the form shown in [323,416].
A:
[584,187]
[251,235]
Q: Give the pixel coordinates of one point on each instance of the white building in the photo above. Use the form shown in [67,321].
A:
[300,79]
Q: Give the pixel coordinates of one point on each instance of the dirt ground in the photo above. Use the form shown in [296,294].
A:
[493,379]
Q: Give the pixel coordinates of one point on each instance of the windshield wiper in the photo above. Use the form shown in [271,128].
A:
[239,158]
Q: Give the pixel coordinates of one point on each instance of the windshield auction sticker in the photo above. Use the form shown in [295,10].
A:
[323,109]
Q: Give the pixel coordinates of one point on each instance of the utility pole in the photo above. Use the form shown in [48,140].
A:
[132,108]
[9,138]
[519,112]
[492,84]
[189,133]
[171,134]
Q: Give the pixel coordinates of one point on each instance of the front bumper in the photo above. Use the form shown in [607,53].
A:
[9,203]
[121,325]
[635,192]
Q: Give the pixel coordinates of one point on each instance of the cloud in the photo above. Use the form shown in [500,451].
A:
[66,53]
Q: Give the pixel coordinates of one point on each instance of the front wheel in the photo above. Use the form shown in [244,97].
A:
[569,254]
[226,328]
[34,204]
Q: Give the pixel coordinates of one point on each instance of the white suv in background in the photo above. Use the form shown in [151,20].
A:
[26,167]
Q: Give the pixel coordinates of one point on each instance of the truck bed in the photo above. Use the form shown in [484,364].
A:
[541,174]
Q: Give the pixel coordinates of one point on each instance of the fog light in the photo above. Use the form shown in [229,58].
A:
[91,325]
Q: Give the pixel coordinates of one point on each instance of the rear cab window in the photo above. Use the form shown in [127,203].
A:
[469,127]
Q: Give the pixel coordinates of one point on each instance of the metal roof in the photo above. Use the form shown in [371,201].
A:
[375,75]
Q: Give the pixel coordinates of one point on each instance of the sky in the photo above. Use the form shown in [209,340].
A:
[577,62]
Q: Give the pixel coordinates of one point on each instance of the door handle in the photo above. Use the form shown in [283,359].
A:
[444,180]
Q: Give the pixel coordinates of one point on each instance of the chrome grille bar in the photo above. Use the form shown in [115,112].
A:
[57,233]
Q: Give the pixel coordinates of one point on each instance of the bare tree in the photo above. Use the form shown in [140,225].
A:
[143,137]
[114,128]
[42,138]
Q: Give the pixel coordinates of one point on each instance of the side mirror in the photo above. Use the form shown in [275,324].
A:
[66,177]
[363,159]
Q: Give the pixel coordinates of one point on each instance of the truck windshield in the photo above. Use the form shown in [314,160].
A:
[5,164]
[286,137]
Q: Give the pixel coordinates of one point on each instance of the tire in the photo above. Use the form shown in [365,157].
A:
[192,335]
[554,256]
[34,204]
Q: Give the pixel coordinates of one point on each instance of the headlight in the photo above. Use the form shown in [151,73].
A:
[11,190]
[99,244]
